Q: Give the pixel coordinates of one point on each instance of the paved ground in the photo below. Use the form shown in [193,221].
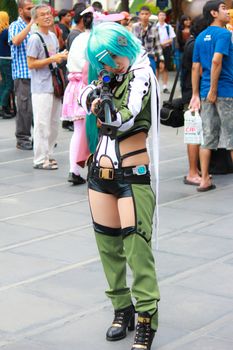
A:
[51,280]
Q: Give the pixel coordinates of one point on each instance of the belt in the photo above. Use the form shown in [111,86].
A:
[114,174]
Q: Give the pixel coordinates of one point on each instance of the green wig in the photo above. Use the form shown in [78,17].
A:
[107,40]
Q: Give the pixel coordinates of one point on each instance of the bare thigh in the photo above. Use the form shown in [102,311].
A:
[126,212]
[111,212]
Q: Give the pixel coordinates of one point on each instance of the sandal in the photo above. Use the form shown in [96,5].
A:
[207,188]
[193,182]
[53,161]
[46,166]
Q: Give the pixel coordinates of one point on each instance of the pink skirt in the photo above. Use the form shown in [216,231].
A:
[71,110]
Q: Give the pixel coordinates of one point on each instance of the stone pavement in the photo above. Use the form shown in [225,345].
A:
[51,281]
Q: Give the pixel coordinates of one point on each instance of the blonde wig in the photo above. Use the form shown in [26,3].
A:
[4,20]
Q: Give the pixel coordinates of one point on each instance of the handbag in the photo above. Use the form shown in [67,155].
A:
[57,74]
[58,82]
[172,111]
[193,128]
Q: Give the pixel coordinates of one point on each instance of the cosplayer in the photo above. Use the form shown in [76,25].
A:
[120,196]
[71,111]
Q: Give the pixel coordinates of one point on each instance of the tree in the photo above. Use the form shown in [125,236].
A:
[176,9]
[10,7]
[125,5]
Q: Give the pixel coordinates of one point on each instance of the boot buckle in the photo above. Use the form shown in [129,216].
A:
[143,319]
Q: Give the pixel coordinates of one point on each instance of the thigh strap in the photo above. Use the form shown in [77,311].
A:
[108,231]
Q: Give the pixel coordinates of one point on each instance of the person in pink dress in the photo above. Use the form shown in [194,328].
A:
[72,111]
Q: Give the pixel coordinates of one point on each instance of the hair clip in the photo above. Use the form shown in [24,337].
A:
[122,41]
[102,54]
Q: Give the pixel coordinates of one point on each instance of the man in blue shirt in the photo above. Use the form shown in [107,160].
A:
[213,55]
[19,33]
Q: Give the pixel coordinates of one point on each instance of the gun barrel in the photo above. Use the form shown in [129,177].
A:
[107,114]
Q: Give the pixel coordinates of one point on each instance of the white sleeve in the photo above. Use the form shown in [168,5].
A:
[138,92]
[82,98]
[76,57]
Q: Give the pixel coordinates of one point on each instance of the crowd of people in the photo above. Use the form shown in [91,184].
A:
[110,65]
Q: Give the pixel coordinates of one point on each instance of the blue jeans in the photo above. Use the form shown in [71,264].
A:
[152,63]
[7,85]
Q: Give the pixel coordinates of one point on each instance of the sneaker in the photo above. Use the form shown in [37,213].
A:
[66,124]
[76,179]
[6,114]
[71,127]
[24,145]
[166,91]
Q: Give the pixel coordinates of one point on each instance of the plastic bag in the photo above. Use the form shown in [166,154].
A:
[193,128]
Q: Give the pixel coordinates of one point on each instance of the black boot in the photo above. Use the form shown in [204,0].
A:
[123,318]
[5,113]
[144,334]
[76,179]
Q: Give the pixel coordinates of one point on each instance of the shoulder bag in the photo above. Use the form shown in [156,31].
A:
[57,74]
[172,111]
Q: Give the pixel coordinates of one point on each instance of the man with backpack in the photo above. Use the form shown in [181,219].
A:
[166,34]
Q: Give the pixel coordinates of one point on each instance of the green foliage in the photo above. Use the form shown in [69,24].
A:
[10,7]
[137,4]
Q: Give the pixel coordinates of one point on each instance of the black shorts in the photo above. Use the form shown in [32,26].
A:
[119,186]
[167,53]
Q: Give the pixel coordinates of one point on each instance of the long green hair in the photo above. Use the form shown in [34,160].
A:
[107,39]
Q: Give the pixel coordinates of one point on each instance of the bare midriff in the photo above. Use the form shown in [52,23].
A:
[130,144]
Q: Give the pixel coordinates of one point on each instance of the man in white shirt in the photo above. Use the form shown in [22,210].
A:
[46,106]
[166,34]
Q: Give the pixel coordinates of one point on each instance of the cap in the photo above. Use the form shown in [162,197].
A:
[87,10]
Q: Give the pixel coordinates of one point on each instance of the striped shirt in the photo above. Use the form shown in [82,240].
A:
[18,53]
[149,38]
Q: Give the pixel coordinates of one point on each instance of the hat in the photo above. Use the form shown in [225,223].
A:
[89,9]
[126,15]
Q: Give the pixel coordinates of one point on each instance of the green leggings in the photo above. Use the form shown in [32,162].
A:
[134,249]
